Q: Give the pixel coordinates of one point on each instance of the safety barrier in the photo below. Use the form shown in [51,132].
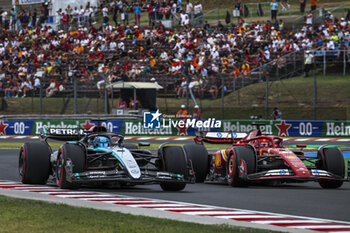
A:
[291,128]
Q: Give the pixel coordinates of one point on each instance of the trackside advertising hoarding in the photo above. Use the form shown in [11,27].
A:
[288,128]
[278,128]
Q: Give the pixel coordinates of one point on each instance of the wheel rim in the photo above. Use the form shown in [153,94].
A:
[230,169]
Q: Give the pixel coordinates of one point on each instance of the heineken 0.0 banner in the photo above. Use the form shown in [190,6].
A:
[278,128]
[336,129]
[112,125]
[168,127]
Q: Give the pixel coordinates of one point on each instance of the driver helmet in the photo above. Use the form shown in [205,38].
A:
[101,141]
[264,142]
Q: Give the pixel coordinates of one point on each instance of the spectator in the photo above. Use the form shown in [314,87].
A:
[214,87]
[302,6]
[121,104]
[237,10]
[274,9]
[104,14]
[198,14]
[189,9]
[277,114]
[53,88]
[125,13]
[137,12]
[182,113]
[309,18]
[184,19]
[196,113]
[308,62]
[133,51]
[313,5]
[26,86]
[134,104]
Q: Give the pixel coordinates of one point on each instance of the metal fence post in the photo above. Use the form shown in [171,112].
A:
[267,98]
[106,94]
[242,81]
[112,97]
[41,95]
[218,14]
[260,71]
[222,96]
[294,63]
[324,63]
[187,91]
[344,63]
[315,95]
[75,94]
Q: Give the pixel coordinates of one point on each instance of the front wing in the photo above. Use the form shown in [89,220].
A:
[289,175]
[122,176]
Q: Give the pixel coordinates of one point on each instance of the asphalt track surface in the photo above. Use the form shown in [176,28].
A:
[302,199]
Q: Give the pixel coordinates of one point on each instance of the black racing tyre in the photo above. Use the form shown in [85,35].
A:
[198,154]
[130,146]
[241,162]
[175,161]
[34,163]
[332,160]
[76,155]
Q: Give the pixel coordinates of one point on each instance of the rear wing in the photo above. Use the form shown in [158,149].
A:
[218,137]
[62,134]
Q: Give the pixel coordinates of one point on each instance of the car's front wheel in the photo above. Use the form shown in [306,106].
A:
[331,160]
[241,162]
[175,161]
[69,153]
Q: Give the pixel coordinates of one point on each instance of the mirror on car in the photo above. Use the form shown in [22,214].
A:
[144,144]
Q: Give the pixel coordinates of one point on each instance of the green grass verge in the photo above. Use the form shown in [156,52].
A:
[19,215]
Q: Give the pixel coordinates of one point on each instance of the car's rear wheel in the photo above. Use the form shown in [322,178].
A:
[69,153]
[241,162]
[34,163]
[332,160]
[175,161]
[198,154]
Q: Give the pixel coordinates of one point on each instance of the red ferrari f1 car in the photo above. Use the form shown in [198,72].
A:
[255,157]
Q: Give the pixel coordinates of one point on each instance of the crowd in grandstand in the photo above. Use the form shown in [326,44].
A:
[124,50]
